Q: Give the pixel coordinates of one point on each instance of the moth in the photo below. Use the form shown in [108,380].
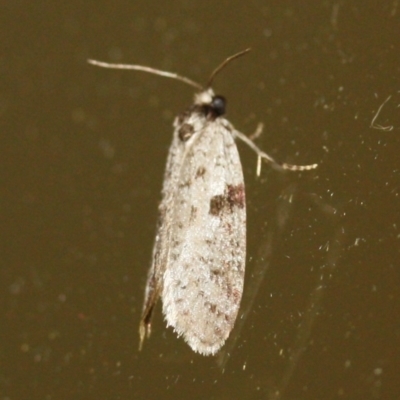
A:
[199,252]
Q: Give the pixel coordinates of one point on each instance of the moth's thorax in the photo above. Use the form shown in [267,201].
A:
[207,109]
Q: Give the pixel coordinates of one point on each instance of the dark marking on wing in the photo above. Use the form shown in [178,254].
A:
[200,172]
[193,213]
[217,204]
[234,196]
[185,131]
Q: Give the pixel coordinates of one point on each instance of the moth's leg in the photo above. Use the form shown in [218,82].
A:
[264,156]
[257,133]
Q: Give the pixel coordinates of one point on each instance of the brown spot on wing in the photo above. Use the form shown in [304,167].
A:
[217,204]
[236,195]
[233,196]
[193,213]
[185,131]
[200,172]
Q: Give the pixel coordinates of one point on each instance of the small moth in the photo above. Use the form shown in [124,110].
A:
[199,253]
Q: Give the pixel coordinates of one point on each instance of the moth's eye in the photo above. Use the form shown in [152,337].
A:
[218,105]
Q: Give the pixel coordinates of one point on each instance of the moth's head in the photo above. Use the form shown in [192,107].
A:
[213,105]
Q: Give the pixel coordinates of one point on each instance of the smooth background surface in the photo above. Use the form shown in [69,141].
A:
[83,153]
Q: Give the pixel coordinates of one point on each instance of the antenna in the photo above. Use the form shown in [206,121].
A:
[167,74]
[224,64]
[150,70]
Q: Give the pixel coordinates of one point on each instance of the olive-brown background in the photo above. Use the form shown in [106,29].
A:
[82,159]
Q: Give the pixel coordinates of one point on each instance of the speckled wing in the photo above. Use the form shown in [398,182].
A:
[203,247]
[155,275]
